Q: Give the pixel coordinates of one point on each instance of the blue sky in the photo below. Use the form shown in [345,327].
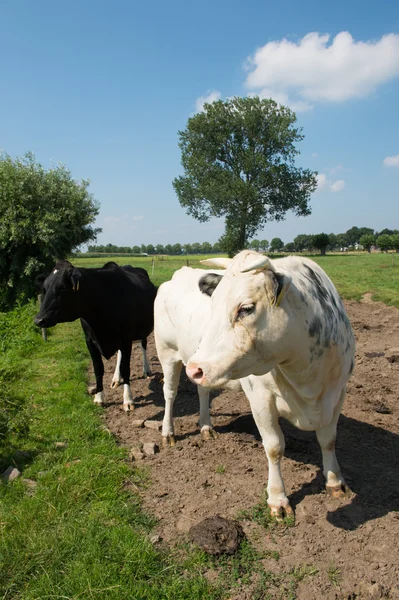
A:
[104,87]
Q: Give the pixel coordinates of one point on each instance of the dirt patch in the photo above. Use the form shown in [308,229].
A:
[353,543]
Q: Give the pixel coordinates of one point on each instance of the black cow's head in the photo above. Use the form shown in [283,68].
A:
[61,296]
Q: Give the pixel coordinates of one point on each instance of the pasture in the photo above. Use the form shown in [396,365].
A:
[353,274]
[83,528]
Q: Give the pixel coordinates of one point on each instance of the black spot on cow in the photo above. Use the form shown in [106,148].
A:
[351,367]
[208,283]
[316,329]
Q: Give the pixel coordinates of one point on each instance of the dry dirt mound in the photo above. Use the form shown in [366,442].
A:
[354,543]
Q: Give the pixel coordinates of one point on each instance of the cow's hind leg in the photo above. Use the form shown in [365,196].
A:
[205,418]
[126,352]
[116,378]
[146,364]
[98,370]
[265,414]
[335,483]
[171,375]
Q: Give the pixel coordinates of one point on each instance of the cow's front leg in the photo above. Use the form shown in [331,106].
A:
[335,483]
[98,367]
[266,418]
[205,418]
[146,364]
[116,378]
[126,352]
[171,375]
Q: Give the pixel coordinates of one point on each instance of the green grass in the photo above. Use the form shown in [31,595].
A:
[81,532]
[164,267]
[353,274]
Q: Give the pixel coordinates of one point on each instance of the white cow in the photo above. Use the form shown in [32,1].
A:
[181,313]
[284,322]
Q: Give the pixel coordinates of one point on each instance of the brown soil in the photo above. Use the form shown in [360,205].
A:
[353,543]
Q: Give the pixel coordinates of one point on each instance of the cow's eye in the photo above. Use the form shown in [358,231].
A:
[245,310]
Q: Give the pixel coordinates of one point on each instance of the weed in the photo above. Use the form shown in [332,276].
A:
[334,575]
[260,513]
[221,469]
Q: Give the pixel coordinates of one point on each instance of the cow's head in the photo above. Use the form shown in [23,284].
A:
[248,321]
[61,296]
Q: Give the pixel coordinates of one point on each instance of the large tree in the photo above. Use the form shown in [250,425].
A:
[367,240]
[238,157]
[320,241]
[45,215]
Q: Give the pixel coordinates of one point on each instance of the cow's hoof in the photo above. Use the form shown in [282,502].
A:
[338,491]
[98,402]
[279,513]
[115,384]
[128,407]
[208,434]
[168,441]
[92,390]
[147,374]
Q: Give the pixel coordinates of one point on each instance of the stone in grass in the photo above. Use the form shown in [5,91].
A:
[136,453]
[31,485]
[60,445]
[10,474]
[217,535]
[150,448]
[156,425]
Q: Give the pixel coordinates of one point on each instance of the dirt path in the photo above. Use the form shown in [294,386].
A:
[353,544]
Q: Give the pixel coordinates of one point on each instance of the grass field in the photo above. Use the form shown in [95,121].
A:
[78,530]
[353,274]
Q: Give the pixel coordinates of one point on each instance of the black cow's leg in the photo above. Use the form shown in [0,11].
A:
[126,351]
[146,364]
[116,379]
[98,369]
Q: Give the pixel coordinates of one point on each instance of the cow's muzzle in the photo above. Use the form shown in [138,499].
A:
[195,373]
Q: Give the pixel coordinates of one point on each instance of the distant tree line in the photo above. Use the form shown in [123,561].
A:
[169,249]
[387,239]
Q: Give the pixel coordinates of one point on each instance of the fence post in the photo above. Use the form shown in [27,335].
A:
[187,262]
[153,264]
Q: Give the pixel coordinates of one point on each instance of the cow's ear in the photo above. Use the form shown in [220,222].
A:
[63,264]
[208,283]
[276,286]
[75,278]
[39,281]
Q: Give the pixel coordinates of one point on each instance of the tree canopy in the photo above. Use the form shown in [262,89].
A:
[321,241]
[45,215]
[238,157]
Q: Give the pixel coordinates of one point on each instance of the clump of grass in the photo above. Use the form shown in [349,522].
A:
[221,469]
[334,575]
[261,514]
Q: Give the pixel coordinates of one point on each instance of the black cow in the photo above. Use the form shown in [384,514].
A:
[115,306]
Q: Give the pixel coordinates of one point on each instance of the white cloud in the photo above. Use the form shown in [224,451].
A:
[326,184]
[392,161]
[314,155]
[312,70]
[282,98]
[337,186]
[140,218]
[209,98]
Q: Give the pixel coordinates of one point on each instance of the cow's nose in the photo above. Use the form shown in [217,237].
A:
[37,321]
[195,373]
